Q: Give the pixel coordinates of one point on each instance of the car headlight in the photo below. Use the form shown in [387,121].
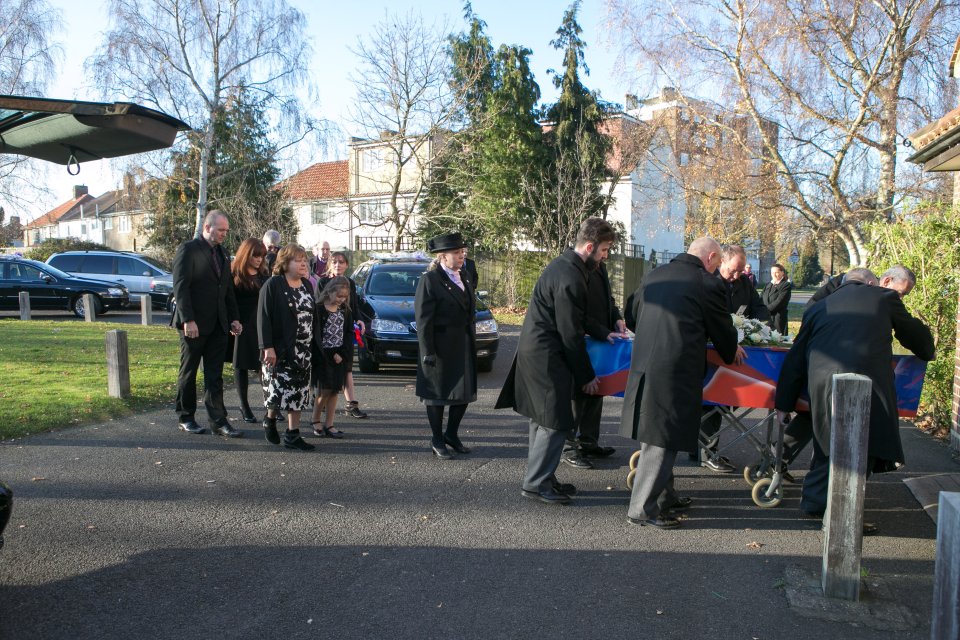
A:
[378,325]
[114,291]
[161,287]
[487,326]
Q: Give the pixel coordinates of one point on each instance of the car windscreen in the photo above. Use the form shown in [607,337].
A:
[393,280]
[153,262]
[56,273]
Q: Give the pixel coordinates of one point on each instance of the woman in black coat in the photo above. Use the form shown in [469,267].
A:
[249,273]
[285,323]
[776,297]
[447,368]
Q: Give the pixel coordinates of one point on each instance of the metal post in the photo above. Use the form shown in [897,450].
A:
[945,624]
[89,307]
[843,521]
[118,364]
[24,305]
[146,310]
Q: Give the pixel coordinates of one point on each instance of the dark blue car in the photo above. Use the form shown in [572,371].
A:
[386,287]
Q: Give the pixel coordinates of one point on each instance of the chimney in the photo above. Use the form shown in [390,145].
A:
[631,102]
[129,184]
[387,134]
[80,190]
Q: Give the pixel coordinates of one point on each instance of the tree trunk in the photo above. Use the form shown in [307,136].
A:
[856,259]
[204,176]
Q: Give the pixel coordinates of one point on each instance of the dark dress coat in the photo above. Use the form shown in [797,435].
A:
[277,317]
[740,293]
[353,303]
[602,312]
[678,308]
[446,328]
[776,297]
[831,285]
[850,332]
[326,373]
[470,270]
[202,296]
[244,350]
[551,360]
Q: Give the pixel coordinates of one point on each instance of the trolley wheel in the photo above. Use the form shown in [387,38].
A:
[760,494]
[630,477]
[633,459]
[752,474]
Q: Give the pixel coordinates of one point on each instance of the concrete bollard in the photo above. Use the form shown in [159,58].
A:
[146,310]
[945,624]
[843,521]
[118,364]
[24,305]
[89,307]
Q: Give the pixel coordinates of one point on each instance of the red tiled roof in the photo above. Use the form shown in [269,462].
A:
[52,216]
[320,181]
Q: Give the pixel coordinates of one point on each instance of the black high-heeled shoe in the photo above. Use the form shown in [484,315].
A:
[249,417]
[325,432]
[456,445]
[441,452]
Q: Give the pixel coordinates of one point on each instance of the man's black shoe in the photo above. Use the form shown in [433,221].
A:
[682,504]
[660,522]
[546,495]
[718,464]
[225,429]
[597,452]
[575,460]
[191,426]
[870,529]
[563,488]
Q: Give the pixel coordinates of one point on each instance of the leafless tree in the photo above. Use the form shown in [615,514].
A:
[28,60]
[406,103]
[187,57]
[839,78]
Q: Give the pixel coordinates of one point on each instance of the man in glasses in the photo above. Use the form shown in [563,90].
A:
[271,239]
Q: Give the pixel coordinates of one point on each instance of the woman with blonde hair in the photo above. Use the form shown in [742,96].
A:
[285,321]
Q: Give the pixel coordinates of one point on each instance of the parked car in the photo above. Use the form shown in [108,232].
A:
[50,288]
[386,287]
[140,274]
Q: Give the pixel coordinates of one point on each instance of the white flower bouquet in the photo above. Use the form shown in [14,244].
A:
[755,333]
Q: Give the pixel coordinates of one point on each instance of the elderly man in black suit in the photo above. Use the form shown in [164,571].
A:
[850,331]
[206,313]
[552,363]
[678,308]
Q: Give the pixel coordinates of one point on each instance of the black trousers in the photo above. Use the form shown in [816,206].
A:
[816,484]
[587,412]
[211,349]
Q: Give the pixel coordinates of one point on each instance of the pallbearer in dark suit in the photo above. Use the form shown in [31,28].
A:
[446,312]
[206,313]
[850,331]
[552,362]
[679,307]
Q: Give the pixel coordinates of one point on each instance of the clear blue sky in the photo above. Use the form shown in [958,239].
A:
[335,26]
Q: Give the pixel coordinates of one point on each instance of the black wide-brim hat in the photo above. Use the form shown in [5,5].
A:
[446,242]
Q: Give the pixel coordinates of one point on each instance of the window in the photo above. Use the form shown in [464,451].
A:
[123,224]
[372,159]
[23,272]
[370,211]
[83,229]
[67,263]
[321,213]
[132,267]
[97,264]
[107,224]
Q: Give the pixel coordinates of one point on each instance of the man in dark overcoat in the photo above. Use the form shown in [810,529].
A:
[850,331]
[603,322]
[552,362]
[206,313]
[679,307]
[740,294]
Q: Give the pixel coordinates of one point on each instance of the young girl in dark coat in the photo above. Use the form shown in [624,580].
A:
[333,343]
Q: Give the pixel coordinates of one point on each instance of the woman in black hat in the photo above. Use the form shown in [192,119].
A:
[447,369]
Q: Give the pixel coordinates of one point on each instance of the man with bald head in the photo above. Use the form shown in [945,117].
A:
[678,308]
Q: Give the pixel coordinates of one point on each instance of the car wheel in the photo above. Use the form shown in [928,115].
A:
[77,306]
[485,365]
[366,363]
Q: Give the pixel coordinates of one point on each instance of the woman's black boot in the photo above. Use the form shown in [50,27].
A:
[270,430]
[292,440]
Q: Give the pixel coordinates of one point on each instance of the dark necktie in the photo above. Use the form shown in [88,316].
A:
[216,260]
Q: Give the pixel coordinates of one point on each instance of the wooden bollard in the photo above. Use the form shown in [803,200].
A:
[945,624]
[24,305]
[118,364]
[89,307]
[843,521]
[146,310]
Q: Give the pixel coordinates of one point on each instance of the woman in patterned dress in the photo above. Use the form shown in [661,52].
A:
[334,342]
[249,273]
[285,319]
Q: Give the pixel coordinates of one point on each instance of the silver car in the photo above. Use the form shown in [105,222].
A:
[139,273]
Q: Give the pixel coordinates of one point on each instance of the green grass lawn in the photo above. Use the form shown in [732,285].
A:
[54,374]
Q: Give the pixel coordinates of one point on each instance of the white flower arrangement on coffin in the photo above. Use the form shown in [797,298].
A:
[755,333]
